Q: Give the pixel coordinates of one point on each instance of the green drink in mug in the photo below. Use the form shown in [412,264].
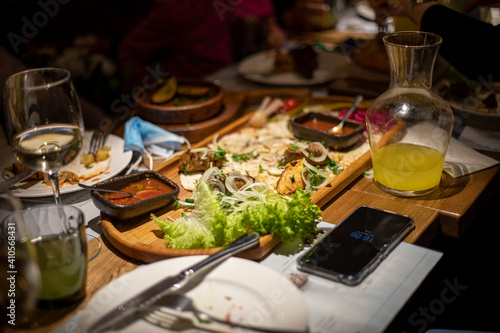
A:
[58,235]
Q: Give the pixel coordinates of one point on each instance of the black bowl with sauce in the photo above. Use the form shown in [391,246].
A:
[113,205]
[314,126]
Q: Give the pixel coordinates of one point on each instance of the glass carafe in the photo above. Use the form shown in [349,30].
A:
[409,126]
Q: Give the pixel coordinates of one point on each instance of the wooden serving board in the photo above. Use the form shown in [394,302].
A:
[142,239]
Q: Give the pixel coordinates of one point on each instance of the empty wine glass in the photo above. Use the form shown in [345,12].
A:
[44,120]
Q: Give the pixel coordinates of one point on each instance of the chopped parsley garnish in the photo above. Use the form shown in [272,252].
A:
[332,165]
[220,153]
[240,158]
[315,178]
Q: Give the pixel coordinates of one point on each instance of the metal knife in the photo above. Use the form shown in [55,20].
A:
[149,296]
[4,186]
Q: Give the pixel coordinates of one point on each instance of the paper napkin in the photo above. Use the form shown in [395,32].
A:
[480,139]
[462,160]
[141,135]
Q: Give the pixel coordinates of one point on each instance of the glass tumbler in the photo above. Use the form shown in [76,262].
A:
[58,236]
[19,273]
[409,126]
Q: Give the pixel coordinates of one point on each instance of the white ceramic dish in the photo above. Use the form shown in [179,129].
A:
[328,64]
[119,160]
[239,290]
[469,109]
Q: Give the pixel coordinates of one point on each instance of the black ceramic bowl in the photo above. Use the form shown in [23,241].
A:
[126,212]
[334,141]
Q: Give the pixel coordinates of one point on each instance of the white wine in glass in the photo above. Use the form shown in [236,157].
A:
[44,120]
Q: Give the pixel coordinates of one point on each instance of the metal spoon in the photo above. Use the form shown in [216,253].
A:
[106,190]
[339,129]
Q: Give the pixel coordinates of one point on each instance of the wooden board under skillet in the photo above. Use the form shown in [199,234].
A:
[143,240]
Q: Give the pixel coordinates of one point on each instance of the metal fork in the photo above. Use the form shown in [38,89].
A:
[383,28]
[161,314]
[97,140]
[168,319]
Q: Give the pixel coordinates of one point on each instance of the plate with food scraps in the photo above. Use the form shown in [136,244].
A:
[474,104]
[116,162]
[260,67]
[238,291]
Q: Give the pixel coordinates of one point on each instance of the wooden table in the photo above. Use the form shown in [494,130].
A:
[449,211]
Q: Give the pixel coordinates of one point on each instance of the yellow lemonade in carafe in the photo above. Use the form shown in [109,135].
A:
[407,167]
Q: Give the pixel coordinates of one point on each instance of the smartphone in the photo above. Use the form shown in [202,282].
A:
[355,247]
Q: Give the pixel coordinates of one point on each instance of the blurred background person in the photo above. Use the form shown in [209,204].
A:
[80,36]
[470,45]
[192,39]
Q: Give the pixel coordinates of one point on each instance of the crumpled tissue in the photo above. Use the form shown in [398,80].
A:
[461,160]
[141,135]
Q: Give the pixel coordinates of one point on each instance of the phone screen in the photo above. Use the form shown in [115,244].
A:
[356,245]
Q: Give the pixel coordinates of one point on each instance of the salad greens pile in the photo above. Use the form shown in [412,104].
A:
[290,217]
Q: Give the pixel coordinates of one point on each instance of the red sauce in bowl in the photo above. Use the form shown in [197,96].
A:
[144,189]
[324,126]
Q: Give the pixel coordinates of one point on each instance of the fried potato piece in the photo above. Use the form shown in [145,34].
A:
[291,178]
[87,159]
[102,154]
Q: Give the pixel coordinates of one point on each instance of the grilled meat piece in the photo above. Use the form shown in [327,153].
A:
[313,148]
[190,162]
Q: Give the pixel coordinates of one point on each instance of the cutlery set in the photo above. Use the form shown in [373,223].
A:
[168,293]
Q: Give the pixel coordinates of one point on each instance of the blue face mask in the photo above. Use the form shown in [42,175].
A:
[141,135]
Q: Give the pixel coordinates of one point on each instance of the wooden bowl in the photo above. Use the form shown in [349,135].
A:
[180,114]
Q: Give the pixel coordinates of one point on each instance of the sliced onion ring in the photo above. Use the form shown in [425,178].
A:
[320,158]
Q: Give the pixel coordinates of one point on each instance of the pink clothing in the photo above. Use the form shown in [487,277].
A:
[189,39]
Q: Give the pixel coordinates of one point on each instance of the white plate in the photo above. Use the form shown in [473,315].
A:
[328,64]
[119,160]
[469,109]
[239,289]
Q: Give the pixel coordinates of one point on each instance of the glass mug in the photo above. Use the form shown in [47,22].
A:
[19,273]
[58,235]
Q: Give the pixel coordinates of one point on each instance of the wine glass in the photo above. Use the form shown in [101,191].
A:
[44,121]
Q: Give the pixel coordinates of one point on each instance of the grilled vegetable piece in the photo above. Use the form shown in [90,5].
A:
[291,178]
[166,92]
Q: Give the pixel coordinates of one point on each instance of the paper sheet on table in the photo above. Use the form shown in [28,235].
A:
[480,139]
[462,160]
[368,307]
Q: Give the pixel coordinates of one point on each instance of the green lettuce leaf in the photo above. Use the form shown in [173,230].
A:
[186,233]
[292,217]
